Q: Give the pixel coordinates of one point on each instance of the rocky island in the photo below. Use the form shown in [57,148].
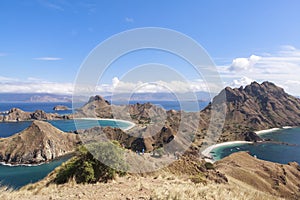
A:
[61,107]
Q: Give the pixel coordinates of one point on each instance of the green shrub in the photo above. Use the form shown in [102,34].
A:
[209,165]
[95,162]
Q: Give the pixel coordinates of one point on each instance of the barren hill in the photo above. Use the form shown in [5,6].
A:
[273,178]
[256,107]
[40,142]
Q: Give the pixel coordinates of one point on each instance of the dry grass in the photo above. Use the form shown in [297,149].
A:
[166,187]
[188,191]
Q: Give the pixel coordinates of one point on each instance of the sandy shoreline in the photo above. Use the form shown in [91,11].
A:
[116,120]
[206,152]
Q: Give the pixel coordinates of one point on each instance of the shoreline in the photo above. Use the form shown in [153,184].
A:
[207,152]
[67,156]
[116,120]
[209,158]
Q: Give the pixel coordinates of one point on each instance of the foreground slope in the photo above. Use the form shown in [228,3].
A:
[40,142]
[186,178]
[273,178]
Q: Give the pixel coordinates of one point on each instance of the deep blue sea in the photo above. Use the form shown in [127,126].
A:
[284,149]
[18,176]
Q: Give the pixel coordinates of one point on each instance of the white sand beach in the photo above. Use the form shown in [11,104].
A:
[267,131]
[116,120]
[209,149]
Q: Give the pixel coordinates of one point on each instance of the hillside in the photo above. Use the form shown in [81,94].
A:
[40,142]
[247,109]
[186,178]
[256,107]
[273,178]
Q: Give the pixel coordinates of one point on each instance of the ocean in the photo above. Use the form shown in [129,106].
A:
[285,147]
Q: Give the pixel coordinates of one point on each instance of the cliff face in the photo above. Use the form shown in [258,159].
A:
[257,107]
[40,142]
[16,114]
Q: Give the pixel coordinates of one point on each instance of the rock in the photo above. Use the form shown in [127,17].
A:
[16,114]
[40,142]
[61,107]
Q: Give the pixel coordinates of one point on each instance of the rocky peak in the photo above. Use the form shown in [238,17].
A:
[256,107]
[98,98]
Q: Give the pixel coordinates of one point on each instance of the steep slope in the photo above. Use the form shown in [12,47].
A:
[40,142]
[273,178]
[256,107]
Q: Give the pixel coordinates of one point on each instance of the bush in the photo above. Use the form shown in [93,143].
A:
[209,165]
[101,163]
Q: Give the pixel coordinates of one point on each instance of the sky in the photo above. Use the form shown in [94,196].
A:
[43,43]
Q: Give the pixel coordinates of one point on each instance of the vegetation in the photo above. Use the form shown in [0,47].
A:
[209,165]
[92,163]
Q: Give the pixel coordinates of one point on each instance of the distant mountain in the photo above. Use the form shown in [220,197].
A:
[159,96]
[40,142]
[34,97]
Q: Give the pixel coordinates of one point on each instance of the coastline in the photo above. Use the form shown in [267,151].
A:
[206,152]
[267,131]
[67,156]
[116,120]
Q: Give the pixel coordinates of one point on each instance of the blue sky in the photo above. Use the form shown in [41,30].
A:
[45,41]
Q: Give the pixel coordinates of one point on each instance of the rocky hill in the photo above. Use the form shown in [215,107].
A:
[256,107]
[40,142]
[268,177]
[16,114]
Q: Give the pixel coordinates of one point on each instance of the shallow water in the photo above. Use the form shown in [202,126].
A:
[275,152]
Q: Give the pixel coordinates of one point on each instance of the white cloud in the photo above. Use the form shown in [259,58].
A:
[243,81]
[51,5]
[129,20]
[48,58]
[3,54]
[282,68]
[119,86]
[240,64]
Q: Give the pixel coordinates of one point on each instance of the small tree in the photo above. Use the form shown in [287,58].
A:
[101,163]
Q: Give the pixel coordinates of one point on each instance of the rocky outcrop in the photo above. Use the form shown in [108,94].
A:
[40,142]
[16,114]
[276,179]
[61,107]
[256,107]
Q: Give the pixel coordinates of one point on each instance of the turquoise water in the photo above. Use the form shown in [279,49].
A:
[18,176]
[278,151]
[9,128]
